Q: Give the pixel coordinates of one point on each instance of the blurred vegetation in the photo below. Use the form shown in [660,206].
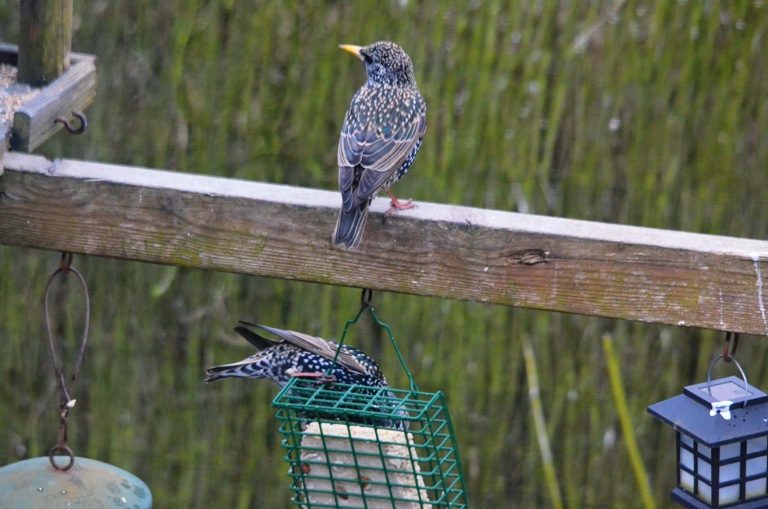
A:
[637,112]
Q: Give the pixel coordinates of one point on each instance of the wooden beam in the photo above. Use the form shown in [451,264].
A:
[45,40]
[446,251]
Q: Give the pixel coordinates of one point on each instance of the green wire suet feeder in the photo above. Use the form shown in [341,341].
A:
[357,446]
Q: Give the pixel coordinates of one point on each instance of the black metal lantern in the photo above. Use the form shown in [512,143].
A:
[722,443]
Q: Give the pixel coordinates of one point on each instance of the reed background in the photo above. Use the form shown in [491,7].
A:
[637,112]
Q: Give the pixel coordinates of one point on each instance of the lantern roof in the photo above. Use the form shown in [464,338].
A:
[693,412]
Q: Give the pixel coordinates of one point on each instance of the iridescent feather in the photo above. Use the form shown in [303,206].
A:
[381,135]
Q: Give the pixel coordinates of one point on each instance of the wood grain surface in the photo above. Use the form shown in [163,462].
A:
[438,250]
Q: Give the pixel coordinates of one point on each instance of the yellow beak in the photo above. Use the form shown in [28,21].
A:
[355,50]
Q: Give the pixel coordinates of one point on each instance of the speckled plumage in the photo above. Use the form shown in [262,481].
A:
[298,354]
[381,135]
[301,354]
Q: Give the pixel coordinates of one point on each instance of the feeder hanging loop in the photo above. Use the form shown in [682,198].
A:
[65,399]
[743,377]
[365,304]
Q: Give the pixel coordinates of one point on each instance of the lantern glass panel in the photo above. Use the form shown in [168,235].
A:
[686,481]
[729,472]
[730,451]
[729,494]
[705,493]
[686,458]
[757,444]
[756,488]
[756,466]
[705,469]
[705,451]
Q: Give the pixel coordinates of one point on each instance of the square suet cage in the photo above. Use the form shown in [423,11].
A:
[369,447]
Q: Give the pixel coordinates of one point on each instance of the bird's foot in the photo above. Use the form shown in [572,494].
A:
[398,205]
[320,377]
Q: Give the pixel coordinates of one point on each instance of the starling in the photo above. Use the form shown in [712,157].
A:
[298,354]
[380,138]
[302,355]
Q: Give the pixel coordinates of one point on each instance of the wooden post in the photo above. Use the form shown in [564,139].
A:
[45,41]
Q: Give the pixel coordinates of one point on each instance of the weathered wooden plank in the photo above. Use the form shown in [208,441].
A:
[74,90]
[438,250]
[45,40]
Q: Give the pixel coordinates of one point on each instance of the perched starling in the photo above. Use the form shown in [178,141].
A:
[302,355]
[380,138]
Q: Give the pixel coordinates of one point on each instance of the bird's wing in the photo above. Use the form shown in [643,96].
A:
[315,345]
[260,342]
[377,144]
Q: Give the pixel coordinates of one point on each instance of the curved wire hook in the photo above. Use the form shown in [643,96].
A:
[68,126]
[728,356]
[743,377]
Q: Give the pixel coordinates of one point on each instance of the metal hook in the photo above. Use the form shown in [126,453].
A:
[365,297]
[728,356]
[68,126]
[66,261]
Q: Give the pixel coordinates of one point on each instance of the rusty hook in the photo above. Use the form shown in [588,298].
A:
[68,126]
[728,356]
[365,297]
[65,265]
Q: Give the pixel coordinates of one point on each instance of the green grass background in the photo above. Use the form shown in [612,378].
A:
[637,112]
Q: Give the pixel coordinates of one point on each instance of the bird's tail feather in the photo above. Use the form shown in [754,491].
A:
[350,226]
[246,368]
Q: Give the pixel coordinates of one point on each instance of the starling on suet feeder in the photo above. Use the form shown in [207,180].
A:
[300,355]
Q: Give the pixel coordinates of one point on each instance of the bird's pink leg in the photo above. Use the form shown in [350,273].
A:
[397,204]
[321,377]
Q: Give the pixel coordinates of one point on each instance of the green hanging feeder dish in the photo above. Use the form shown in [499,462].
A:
[356,446]
[62,480]
[35,483]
